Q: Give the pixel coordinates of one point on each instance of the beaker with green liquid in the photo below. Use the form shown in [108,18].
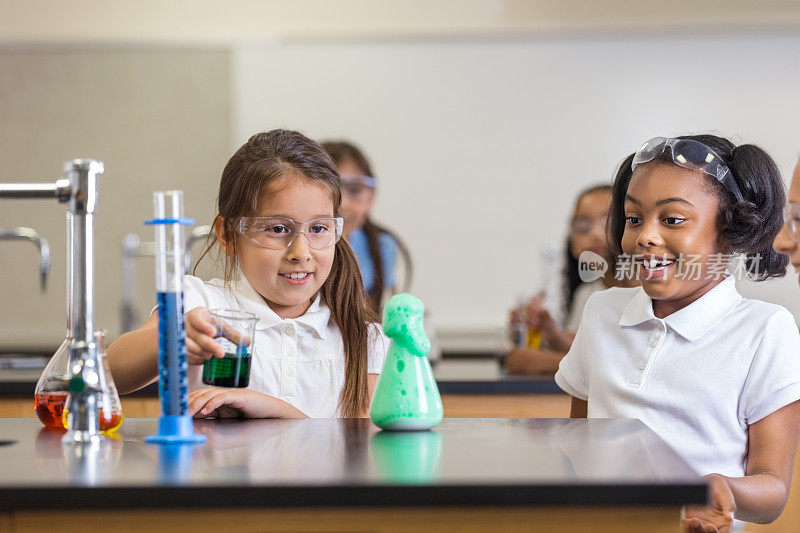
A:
[235,334]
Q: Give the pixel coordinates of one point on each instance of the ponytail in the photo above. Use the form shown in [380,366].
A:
[750,226]
[343,293]
[373,234]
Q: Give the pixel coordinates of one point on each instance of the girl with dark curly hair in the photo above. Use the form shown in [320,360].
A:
[716,375]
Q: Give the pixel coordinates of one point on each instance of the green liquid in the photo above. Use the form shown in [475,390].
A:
[230,371]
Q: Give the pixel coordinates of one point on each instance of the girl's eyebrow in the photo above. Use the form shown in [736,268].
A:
[673,200]
[629,198]
[290,218]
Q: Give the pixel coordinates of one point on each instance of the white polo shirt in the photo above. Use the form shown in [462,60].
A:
[299,360]
[697,378]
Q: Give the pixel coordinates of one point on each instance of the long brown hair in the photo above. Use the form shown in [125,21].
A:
[263,160]
[341,151]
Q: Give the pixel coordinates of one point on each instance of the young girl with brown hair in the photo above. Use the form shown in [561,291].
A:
[316,350]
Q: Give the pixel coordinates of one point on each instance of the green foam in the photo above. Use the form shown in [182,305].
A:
[406,396]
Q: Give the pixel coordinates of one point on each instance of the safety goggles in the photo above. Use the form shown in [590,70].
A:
[356,185]
[690,154]
[277,233]
[584,226]
[791,218]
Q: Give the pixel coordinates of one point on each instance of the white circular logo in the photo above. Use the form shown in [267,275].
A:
[591,266]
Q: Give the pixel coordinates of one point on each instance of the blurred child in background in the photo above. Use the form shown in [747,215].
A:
[375,246]
[587,233]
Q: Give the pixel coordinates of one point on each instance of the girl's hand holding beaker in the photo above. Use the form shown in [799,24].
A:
[234,332]
[538,316]
[200,333]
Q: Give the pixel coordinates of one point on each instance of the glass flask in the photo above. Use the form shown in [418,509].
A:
[50,396]
[406,397]
[51,389]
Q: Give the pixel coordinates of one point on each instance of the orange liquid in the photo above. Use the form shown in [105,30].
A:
[112,424]
[534,338]
[50,410]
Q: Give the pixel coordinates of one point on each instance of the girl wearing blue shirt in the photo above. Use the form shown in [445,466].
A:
[375,246]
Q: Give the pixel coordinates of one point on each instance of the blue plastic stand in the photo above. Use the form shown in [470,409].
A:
[175,429]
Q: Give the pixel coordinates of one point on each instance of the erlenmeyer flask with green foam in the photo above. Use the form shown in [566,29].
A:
[406,396]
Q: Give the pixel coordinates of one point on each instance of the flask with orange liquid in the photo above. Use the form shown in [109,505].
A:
[52,390]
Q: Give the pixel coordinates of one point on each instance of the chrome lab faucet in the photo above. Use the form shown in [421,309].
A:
[29,234]
[79,190]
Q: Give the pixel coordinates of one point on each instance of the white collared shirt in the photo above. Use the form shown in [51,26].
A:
[698,378]
[299,360]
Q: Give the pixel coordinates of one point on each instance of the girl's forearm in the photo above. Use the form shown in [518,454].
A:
[561,340]
[133,359]
[760,498]
[287,410]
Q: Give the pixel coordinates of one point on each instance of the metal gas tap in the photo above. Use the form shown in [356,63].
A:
[79,190]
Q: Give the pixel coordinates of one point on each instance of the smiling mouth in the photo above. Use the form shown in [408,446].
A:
[654,268]
[296,275]
[655,265]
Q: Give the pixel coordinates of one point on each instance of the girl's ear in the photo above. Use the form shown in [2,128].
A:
[722,243]
[219,231]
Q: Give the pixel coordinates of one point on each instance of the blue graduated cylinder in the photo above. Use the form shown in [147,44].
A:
[174,386]
[174,425]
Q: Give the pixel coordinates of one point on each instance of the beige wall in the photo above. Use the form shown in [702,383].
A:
[444,96]
[158,118]
[480,147]
[148,20]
